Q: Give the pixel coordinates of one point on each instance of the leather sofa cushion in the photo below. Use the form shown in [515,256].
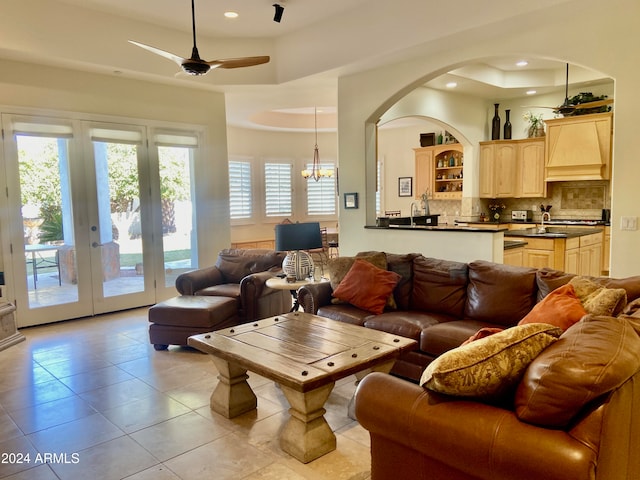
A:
[231,290]
[344,313]
[403,323]
[441,338]
[439,286]
[235,264]
[500,294]
[593,357]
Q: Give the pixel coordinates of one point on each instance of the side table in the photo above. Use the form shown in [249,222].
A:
[279,283]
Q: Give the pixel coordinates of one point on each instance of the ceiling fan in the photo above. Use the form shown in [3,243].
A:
[568,108]
[195,65]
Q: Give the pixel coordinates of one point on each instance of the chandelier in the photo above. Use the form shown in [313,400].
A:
[316,172]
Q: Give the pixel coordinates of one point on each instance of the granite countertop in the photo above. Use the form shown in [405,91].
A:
[552,232]
[440,228]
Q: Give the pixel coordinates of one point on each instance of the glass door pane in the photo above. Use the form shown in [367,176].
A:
[178,226]
[119,247]
[47,219]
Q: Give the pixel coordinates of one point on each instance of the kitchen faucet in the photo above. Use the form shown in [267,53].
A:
[542,228]
[412,207]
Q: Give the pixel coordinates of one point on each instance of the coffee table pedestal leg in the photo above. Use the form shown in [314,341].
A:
[233,395]
[307,435]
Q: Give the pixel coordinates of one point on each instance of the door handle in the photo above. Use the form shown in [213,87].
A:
[96,244]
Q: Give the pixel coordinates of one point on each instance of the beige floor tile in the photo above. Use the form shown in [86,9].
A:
[41,472]
[112,460]
[145,412]
[51,414]
[179,435]
[157,472]
[85,382]
[77,435]
[118,394]
[23,451]
[36,394]
[227,458]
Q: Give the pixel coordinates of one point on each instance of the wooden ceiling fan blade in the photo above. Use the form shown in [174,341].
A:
[595,104]
[239,62]
[162,53]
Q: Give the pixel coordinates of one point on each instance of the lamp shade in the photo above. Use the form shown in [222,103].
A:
[298,236]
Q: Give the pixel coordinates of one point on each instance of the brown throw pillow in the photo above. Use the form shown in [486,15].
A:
[561,308]
[593,357]
[367,286]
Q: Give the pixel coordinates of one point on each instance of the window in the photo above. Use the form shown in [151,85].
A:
[240,198]
[278,189]
[321,195]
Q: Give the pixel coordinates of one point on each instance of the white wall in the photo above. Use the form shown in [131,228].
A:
[603,46]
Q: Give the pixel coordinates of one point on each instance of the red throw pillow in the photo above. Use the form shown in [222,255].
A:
[367,286]
[561,308]
[484,332]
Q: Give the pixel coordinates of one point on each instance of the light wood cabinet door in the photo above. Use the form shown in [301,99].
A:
[539,258]
[531,182]
[514,256]
[572,261]
[505,169]
[424,172]
[486,183]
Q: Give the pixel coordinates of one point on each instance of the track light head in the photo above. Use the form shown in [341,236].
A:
[279,11]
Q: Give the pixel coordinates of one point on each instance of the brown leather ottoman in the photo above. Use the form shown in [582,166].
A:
[175,320]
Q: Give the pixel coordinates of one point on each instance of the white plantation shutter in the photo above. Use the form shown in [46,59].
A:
[240,198]
[278,189]
[321,195]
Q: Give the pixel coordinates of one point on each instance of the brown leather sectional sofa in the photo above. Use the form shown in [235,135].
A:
[441,303]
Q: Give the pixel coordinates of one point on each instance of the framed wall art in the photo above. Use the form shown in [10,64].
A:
[350,200]
[405,186]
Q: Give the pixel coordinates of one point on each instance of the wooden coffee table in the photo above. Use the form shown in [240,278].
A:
[305,354]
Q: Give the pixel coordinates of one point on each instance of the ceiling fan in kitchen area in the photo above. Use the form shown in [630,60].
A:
[197,66]
[580,104]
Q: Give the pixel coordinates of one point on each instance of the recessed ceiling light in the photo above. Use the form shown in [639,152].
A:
[231,14]
[522,63]
[531,92]
[451,85]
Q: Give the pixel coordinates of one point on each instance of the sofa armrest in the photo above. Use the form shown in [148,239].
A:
[314,296]
[259,301]
[480,440]
[190,282]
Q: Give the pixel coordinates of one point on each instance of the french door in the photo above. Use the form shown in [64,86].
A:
[91,215]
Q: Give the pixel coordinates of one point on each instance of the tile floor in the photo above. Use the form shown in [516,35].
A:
[93,398]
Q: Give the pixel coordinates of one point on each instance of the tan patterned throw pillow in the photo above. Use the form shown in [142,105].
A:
[489,368]
[598,300]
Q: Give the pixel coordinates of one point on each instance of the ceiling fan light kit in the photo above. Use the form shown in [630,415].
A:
[195,65]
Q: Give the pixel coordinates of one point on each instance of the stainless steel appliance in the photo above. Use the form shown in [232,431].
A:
[521,215]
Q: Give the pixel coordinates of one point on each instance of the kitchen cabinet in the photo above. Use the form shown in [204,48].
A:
[606,249]
[439,169]
[579,255]
[514,256]
[578,147]
[512,169]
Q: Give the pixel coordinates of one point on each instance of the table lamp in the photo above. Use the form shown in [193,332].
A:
[294,237]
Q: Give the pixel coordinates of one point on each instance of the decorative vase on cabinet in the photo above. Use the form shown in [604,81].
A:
[495,124]
[507,125]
